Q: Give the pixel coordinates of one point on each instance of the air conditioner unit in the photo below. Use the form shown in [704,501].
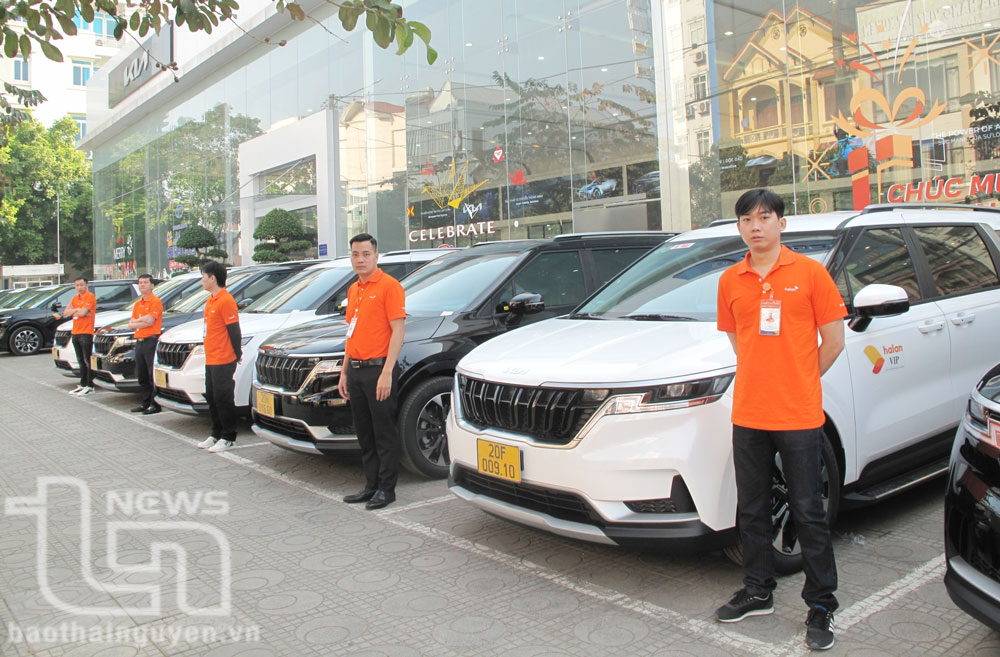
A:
[98,42]
[699,57]
[690,111]
[704,107]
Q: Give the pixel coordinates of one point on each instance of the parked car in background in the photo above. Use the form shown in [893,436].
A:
[170,292]
[319,291]
[31,328]
[453,304]
[114,342]
[972,506]
[648,183]
[612,424]
[23,296]
[598,188]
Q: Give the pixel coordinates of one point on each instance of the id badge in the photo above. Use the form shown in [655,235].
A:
[350,327]
[770,317]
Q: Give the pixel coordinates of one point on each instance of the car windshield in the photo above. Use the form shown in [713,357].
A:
[196,301]
[303,291]
[678,281]
[20,299]
[45,297]
[452,283]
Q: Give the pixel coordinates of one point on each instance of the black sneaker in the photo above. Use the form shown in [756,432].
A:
[742,604]
[819,629]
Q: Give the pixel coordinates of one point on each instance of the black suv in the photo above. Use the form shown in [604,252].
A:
[453,304]
[113,361]
[32,327]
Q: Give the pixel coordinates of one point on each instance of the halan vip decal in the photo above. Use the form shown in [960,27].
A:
[888,357]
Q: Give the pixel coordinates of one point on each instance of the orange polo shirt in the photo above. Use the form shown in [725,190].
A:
[777,384]
[148,306]
[220,311]
[375,304]
[84,325]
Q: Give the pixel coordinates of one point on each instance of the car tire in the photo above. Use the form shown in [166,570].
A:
[597,193]
[422,419]
[25,341]
[787,556]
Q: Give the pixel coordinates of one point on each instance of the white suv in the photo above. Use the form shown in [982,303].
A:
[319,291]
[612,424]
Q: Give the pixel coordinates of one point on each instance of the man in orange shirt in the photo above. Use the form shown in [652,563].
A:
[147,318]
[82,309]
[223,349]
[376,317]
[771,306]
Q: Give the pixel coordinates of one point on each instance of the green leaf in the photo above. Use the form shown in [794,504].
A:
[9,43]
[66,23]
[280,6]
[51,51]
[371,21]
[349,18]
[133,20]
[144,26]
[383,32]
[421,31]
[25,44]
[119,30]
[432,55]
[87,11]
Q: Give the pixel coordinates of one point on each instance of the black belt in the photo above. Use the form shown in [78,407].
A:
[148,337]
[371,362]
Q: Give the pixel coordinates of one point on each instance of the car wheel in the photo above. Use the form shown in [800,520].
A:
[598,193]
[785,539]
[422,420]
[24,341]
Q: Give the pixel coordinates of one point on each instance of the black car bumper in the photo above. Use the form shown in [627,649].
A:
[308,427]
[117,372]
[972,526]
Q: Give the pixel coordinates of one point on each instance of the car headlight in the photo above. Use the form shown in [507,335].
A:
[670,396]
[328,366]
[977,411]
[124,342]
[199,349]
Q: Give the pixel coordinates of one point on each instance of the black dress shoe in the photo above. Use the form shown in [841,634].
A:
[138,409]
[381,499]
[152,410]
[362,495]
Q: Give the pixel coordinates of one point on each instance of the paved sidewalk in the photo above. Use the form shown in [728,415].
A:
[430,575]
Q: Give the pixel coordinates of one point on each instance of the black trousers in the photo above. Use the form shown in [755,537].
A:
[801,456]
[219,391]
[145,351]
[375,423]
[83,345]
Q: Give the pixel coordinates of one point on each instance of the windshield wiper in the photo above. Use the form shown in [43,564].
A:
[586,316]
[659,317]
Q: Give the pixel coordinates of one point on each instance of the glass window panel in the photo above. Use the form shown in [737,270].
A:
[959,259]
[880,255]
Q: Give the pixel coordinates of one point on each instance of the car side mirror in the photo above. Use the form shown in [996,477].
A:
[877,300]
[244,303]
[55,306]
[525,303]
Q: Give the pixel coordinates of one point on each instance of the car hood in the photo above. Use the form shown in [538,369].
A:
[601,352]
[328,335]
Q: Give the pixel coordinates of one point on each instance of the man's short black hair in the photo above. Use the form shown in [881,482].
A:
[81,278]
[147,276]
[364,237]
[216,269]
[759,198]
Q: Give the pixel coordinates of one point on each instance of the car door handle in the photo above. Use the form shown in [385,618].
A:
[963,318]
[931,326]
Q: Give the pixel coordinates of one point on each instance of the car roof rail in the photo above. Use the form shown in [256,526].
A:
[616,233]
[888,207]
[412,251]
[725,221]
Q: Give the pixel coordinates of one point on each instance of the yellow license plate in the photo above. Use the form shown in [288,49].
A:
[55,353]
[159,378]
[93,363]
[498,460]
[265,403]
[994,432]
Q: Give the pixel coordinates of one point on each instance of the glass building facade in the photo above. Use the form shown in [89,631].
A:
[556,116]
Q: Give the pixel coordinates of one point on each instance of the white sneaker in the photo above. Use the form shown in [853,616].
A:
[85,391]
[76,390]
[208,442]
[222,445]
